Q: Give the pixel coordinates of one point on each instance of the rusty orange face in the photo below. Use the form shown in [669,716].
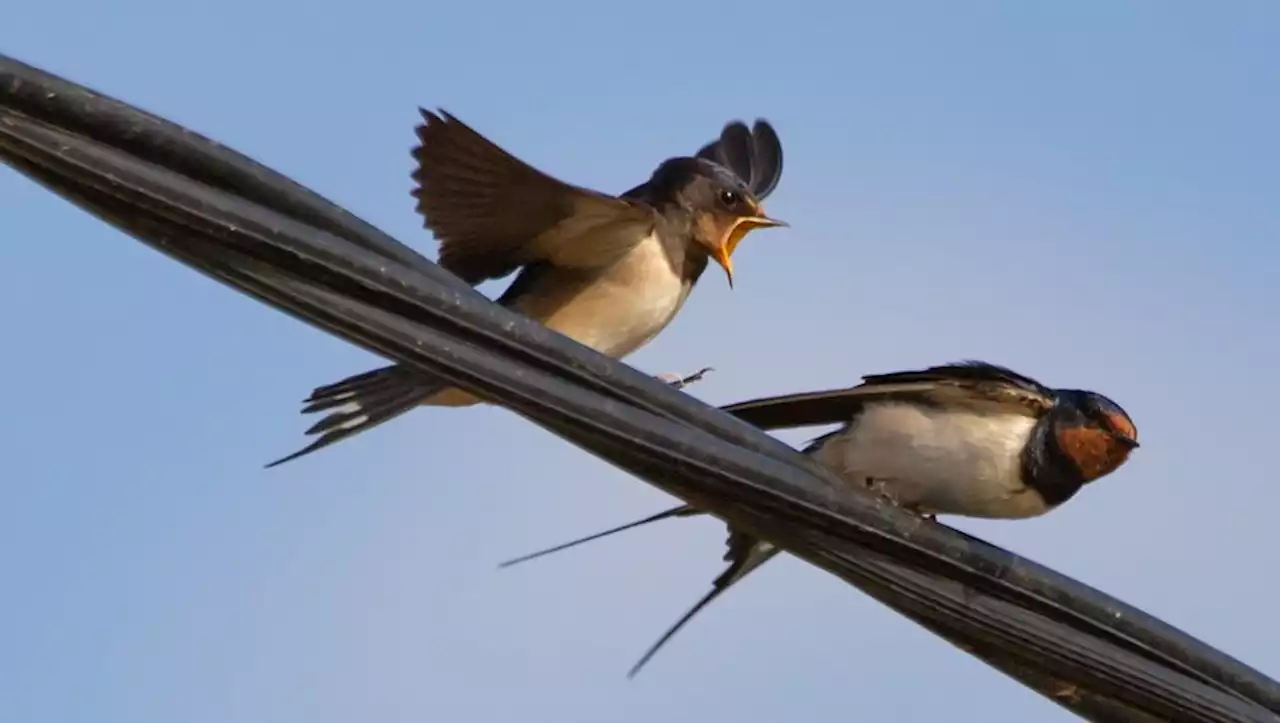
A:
[1098,448]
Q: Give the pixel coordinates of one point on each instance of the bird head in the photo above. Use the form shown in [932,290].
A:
[1093,432]
[721,209]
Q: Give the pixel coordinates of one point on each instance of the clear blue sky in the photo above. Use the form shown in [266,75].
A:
[1085,191]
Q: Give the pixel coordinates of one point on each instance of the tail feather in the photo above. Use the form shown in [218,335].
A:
[363,402]
[336,394]
[744,556]
[367,390]
[678,511]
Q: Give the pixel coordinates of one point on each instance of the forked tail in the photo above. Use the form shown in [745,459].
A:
[363,402]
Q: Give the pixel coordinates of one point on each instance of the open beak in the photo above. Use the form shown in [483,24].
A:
[737,232]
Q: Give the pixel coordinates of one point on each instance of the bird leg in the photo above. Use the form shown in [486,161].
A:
[881,488]
[678,382]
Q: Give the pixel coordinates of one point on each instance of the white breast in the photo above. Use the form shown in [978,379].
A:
[633,303]
[941,461]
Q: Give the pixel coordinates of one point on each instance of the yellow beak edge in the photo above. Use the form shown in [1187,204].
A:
[737,232]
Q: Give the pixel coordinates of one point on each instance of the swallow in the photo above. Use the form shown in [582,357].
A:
[610,272]
[971,439]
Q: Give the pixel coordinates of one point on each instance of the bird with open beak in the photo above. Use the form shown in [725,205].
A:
[610,272]
[971,439]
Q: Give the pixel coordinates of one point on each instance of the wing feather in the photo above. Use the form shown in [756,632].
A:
[493,213]
[979,386]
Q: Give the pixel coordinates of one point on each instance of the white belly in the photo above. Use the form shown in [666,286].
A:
[629,306]
[939,461]
[648,318]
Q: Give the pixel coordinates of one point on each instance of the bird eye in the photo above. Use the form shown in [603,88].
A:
[730,198]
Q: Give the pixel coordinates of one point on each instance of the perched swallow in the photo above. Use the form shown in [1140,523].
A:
[971,439]
[609,272]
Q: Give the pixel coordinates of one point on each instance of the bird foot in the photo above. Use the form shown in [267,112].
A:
[881,488]
[678,382]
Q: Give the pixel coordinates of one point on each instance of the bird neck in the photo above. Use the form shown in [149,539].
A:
[1046,468]
[688,257]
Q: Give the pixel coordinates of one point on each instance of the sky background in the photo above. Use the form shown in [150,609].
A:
[1085,192]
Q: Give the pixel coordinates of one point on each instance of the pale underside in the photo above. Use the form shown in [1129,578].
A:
[938,461]
[615,311]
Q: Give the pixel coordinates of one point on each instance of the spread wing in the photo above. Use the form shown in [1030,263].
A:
[974,385]
[493,213]
[754,155]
